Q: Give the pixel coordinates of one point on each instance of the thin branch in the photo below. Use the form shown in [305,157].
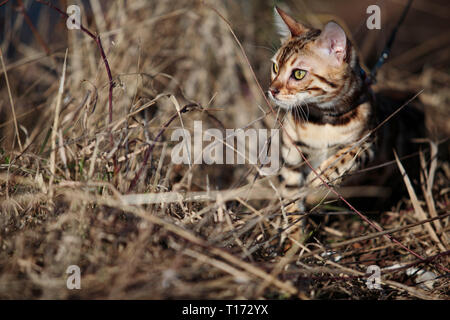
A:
[374,235]
[149,150]
[55,126]
[11,101]
[21,9]
[106,63]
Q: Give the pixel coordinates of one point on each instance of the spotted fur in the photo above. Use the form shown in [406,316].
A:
[329,112]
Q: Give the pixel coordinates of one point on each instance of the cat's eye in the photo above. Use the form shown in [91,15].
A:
[299,74]
[275,68]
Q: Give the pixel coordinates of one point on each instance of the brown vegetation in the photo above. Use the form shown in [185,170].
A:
[79,189]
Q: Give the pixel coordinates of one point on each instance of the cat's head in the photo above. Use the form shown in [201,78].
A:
[311,66]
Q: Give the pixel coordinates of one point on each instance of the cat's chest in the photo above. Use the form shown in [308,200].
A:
[323,136]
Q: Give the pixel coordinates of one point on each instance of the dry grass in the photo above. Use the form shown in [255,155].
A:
[141,227]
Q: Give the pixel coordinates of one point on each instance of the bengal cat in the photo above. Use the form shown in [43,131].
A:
[316,76]
[330,109]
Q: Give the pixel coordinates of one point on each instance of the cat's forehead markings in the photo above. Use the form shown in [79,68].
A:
[293,60]
[294,45]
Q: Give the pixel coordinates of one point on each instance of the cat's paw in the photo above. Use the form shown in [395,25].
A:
[332,170]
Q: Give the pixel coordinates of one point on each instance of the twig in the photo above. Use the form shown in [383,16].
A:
[97,39]
[11,101]
[415,202]
[375,235]
[21,9]
[149,150]
[55,126]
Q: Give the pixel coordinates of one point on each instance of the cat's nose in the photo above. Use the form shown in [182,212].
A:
[274,91]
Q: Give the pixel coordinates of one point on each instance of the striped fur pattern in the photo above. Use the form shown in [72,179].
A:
[317,80]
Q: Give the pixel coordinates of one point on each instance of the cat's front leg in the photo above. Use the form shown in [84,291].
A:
[344,161]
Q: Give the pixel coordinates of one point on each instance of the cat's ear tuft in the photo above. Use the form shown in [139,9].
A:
[286,25]
[334,41]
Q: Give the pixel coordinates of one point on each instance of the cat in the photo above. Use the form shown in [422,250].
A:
[317,78]
[331,113]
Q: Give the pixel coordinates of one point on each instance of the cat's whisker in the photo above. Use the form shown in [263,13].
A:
[272,50]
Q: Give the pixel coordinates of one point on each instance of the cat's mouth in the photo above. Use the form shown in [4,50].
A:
[284,102]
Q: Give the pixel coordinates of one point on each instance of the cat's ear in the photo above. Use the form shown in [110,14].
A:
[286,25]
[333,41]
